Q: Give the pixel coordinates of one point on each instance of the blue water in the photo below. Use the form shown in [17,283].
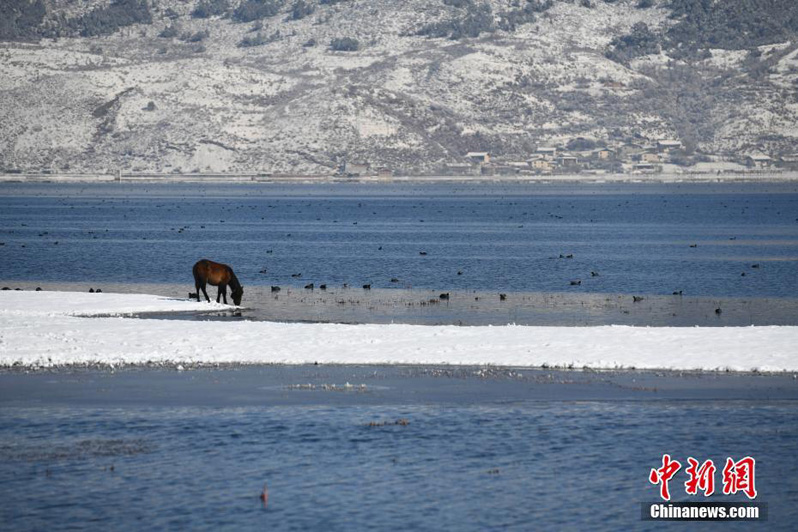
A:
[523,466]
[637,237]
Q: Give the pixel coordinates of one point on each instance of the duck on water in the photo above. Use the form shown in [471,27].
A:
[208,272]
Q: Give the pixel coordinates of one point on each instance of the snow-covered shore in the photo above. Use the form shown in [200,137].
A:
[51,329]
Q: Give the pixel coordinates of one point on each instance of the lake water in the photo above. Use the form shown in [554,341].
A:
[637,238]
[521,450]
[482,447]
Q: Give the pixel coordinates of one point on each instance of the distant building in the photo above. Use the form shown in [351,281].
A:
[384,172]
[645,168]
[356,169]
[603,155]
[650,158]
[541,165]
[789,161]
[458,169]
[758,161]
[547,152]
[502,169]
[568,161]
[666,145]
[478,157]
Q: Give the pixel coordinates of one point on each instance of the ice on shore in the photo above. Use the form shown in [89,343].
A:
[51,329]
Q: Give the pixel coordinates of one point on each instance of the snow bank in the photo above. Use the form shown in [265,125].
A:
[97,304]
[45,329]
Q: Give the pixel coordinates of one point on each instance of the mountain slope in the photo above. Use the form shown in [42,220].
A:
[101,86]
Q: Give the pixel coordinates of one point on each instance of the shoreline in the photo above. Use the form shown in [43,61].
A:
[458,371]
[598,179]
[417,306]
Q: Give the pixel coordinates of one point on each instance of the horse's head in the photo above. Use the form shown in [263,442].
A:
[237,294]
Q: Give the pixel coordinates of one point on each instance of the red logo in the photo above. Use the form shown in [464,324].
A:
[702,478]
[737,476]
[663,475]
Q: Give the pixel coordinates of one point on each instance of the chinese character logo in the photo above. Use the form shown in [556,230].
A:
[664,474]
[702,478]
[737,476]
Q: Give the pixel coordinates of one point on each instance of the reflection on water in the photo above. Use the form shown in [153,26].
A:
[636,238]
[525,465]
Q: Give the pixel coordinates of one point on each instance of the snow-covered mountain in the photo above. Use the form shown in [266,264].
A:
[300,86]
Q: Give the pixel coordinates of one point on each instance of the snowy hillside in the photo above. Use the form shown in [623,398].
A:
[318,84]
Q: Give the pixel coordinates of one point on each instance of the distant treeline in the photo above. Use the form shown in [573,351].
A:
[699,24]
[24,20]
[469,19]
[20,20]
[704,24]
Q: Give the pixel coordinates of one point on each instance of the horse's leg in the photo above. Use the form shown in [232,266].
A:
[205,292]
[197,288]
[222,293]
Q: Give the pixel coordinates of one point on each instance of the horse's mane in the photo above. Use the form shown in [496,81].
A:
[234,282]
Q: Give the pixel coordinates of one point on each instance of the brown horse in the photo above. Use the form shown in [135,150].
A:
[221,275]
